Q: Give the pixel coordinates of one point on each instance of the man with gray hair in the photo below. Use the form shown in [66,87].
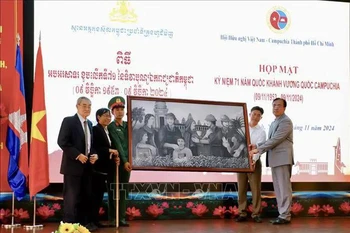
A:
[75,139]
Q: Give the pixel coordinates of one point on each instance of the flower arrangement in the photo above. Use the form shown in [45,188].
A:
[71,228]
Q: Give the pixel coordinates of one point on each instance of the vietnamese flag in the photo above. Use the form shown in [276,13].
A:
[39,156]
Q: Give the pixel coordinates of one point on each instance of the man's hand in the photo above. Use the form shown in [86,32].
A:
[93,158]
[127,167]
[252,152]
[252,147]
[251,155]
[82,158]
[253,164]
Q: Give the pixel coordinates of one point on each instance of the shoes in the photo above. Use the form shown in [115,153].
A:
[123,223]
[279,221]
[257,219]
[91,227]
[241,219]
[273,220]
[100,225]
[111,224]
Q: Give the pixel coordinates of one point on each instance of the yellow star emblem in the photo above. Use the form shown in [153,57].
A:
[36,118]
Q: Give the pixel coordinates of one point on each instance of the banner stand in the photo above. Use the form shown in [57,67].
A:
[12,225]
[31,227]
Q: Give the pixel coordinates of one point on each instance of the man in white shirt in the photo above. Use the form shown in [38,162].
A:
[257,135]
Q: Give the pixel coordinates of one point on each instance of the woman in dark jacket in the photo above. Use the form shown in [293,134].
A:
[108,159]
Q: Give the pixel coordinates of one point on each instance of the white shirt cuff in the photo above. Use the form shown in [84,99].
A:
[256,157]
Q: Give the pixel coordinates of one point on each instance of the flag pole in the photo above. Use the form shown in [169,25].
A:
[117,198]
[12,225]
[32,227]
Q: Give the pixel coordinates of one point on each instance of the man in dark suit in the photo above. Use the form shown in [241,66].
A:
[279,148]
[118,130]
[106,164]
[75,139]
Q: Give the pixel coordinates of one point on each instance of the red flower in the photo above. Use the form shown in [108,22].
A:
[233,211]
[45,212]
[296,208]
[199,210]
[327,209]
[189,205]
[314,210]
[101,211]
[5,215]
[56,206]
[220,211]
[263,205]
[345,207]
[132,213]
[154,210]
[165,205]
[21,214]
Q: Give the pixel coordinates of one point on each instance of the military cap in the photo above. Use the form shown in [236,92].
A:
[224,118]
[116,101]
[210,118]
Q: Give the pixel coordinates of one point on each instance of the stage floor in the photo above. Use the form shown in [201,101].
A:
[298,225]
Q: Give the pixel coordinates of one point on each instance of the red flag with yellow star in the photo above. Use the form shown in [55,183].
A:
[39,156]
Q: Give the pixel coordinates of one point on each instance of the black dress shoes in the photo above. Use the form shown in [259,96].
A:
[279,221]
[123,223]
[91,227]
[100,225]
[257,219]
[241,219]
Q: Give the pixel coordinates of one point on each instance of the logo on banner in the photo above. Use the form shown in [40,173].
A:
[278,19]
[123,12]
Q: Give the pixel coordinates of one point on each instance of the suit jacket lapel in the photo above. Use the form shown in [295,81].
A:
[275,124]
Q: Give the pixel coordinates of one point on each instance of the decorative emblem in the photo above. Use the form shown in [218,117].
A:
[278,19]
[123,13]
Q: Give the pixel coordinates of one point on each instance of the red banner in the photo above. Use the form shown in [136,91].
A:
[11,23]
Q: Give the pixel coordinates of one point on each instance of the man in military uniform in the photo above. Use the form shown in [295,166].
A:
[118,130]
[214,136]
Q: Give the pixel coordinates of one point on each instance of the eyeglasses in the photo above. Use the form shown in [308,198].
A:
[106,115]
[85,106]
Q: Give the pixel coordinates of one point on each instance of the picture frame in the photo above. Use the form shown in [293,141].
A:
[188,135]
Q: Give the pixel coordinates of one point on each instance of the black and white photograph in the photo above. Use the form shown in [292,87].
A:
[188,135]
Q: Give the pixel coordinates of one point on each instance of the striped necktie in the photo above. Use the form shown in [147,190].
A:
[86,138]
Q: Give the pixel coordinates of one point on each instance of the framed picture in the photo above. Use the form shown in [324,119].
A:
[188,135]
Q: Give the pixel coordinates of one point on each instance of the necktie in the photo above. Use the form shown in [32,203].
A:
[86,138]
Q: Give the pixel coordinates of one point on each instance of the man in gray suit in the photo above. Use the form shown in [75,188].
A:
[279,148]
